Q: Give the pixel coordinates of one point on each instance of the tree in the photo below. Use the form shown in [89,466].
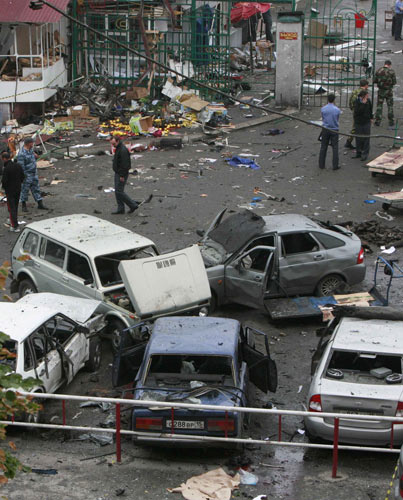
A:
[12,403]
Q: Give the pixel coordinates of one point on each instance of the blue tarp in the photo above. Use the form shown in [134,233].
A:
[237,161]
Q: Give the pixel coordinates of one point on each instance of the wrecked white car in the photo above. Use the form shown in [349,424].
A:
[83,256]
[250,258]
[52,337]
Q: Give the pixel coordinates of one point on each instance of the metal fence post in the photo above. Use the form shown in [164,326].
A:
[279,427]
[118,446]
[335,448]
[64,411]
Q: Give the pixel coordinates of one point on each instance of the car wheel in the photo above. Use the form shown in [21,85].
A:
[95,355]
[115,327]
[329,285]
[26,287]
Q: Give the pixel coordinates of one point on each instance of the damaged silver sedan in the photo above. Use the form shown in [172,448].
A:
[250,258]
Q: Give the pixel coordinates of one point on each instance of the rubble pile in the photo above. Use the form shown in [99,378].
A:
[374,232]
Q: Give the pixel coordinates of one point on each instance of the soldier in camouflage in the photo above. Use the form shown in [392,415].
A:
[363,86]
[385,78]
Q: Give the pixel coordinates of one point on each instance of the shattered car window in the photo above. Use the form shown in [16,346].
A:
[79,266]
[190,367]
[360,364]
[60,329]
[298,243]
[31,243]
[107,265]
[8,354]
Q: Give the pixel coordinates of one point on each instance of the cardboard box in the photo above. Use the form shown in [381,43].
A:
[80,110]
[136,93]
[146,122]
[63,123]
[193,102]
[85,121]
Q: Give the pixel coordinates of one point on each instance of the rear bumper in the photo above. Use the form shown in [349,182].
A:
[355,274]
[184,442]
[317,427]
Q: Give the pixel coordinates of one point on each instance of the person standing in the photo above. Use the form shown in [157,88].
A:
[363,86]
[121,166]
[330,118]
[268,22]
[362,119]
[385,78]
[398,20]
[13,177]
[27,159]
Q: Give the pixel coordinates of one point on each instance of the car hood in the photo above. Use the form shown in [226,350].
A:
[235,230]
[165,284]
[77,309]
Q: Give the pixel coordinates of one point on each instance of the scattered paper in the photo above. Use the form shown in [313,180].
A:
[388,251]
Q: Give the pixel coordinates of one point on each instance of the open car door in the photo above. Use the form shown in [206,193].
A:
[126,363]
[262,368]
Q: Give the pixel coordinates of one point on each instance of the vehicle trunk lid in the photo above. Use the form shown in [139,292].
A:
[365,398]
[166,283]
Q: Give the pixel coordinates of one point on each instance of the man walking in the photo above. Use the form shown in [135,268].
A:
[13,177]
[398,20]
[27,159]
[362,119]
[330,118]
[353,98]
[121,167]
[385,78]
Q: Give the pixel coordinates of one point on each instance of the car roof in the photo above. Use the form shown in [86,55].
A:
[19,319]
[284,223]
[82,232]
[375,335]
[194,335]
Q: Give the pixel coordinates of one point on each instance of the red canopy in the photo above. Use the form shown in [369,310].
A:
[245,10]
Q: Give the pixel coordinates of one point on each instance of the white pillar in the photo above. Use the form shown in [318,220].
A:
[289,43]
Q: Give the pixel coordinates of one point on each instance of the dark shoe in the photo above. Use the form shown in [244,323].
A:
[41,206]
[349,145]
[364,158]
[118,212]
[337,168]
[132,209]
[24,206]
[322,168]
[358,155]
[377,124]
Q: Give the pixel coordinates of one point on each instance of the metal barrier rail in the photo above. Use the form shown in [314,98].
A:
[178,437]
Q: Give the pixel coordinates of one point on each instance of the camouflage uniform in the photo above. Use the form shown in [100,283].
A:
[385,78]
[351,104]
[26,159]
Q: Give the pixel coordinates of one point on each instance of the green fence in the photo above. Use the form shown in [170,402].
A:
[339,49]
[195,41]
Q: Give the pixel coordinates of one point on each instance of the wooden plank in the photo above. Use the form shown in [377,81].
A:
[392,196]
[389,162]
[383,171]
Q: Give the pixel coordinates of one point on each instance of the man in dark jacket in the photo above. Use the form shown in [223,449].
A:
[362,120]
[121,167]
[13,177]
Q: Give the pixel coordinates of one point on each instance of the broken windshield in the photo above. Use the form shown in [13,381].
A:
[177,368]
[107,265]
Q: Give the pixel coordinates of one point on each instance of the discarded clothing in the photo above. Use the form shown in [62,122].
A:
[213,485]
[237,161]
[274,131]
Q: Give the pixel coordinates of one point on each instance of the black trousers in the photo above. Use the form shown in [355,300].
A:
[331,138]
[398,26]
[268,21]
[363,142]
[13,199]
[121,197]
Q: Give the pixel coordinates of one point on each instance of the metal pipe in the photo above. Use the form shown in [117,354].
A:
[118,447]
[162,404]
[335,448]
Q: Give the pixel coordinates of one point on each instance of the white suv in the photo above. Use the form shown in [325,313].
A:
[87,257]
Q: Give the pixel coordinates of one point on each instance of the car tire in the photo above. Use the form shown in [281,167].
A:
[329,285]
[115,326]
[26,287]
[95,355]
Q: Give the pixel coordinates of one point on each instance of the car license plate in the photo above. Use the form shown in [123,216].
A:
[185,424]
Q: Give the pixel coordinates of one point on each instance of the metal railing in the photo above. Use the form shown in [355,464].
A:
[118,431]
